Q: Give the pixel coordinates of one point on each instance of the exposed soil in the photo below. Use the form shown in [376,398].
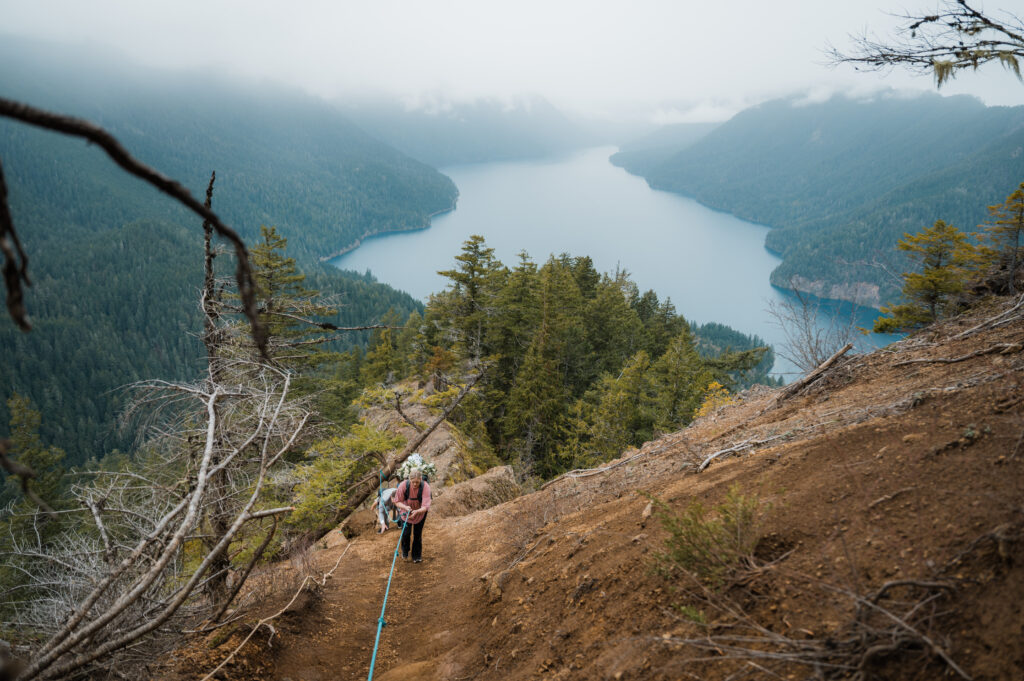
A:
[878,473]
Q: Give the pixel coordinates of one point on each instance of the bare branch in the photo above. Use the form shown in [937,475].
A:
[248,570]
[799,385]
[24,474]
[955,38]
[80,128]
[267,620]
[398,408]
[15,264]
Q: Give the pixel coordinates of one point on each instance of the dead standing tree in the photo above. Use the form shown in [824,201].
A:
[15,259]
[811,336]
[130,567]
[15,267]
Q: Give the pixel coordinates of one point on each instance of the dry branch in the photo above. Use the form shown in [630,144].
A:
[587,472]
[77,127]
[15,264]
[398,408]
[890,497]
[129,579]
[799,385]
[1002,348]
[24,474]
[738,447]
[246,572]
[267,620]
[997,320]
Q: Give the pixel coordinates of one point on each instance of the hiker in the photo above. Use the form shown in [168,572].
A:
[384,503]
[413,498]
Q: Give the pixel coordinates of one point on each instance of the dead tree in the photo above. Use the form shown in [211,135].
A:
[810,339]
[15,268]
[131,567]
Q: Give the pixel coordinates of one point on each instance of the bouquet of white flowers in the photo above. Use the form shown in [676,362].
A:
[416,461]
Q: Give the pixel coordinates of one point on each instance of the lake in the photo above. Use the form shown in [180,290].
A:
[712,265]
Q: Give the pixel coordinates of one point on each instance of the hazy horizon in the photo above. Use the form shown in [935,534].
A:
[653,60]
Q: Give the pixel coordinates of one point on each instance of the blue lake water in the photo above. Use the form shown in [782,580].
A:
[712,265]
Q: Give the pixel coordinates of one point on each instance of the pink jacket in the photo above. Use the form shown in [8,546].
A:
[401,495]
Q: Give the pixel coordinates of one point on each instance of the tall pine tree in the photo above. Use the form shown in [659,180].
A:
[943,253]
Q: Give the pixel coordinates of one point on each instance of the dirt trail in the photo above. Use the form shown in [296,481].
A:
[886,471]
[338,634]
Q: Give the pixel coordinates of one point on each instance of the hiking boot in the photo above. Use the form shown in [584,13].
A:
[417,560]
[405,556]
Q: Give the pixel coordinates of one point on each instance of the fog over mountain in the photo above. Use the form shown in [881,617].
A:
[673,61]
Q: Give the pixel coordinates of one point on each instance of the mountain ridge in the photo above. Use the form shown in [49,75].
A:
[841,181]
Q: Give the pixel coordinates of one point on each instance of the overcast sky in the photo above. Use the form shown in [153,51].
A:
[669,58]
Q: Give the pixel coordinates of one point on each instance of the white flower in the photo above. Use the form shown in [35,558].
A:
[415,461]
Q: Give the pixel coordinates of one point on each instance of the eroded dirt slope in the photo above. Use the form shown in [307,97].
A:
[889,471]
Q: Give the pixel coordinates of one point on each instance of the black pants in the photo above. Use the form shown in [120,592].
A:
[417,538]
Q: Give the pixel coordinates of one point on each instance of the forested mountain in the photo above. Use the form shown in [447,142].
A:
[842,180]
[116,267]
[282,158]
[444,132]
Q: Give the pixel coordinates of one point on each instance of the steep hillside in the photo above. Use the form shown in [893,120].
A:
[842,180]
[889,547]
[282,158]
[116,266]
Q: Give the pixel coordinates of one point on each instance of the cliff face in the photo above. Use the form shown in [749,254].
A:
[857,292]
[887,543]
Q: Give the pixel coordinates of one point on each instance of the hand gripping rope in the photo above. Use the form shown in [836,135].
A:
[394,559]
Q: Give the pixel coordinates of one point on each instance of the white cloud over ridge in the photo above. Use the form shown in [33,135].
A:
[577,53]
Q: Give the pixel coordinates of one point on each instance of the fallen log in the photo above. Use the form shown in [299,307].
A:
[361,491]
[799,385]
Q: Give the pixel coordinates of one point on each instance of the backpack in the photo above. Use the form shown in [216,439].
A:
[406,483]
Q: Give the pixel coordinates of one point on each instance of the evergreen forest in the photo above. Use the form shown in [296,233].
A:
[116,266]
[841,180]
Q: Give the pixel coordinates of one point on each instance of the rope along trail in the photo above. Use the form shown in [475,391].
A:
[380,620]
[394,559]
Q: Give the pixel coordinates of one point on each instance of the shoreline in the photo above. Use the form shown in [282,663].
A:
[359,242]
[875,305]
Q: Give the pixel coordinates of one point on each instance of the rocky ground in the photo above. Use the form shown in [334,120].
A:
[891,505]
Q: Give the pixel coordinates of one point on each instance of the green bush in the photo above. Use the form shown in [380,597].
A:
[712,545]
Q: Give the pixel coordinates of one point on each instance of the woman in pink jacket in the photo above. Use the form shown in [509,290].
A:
[413,498]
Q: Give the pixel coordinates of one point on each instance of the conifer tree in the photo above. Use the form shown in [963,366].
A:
[943,253]
[286,307]
[469,302]
[613,327]
[625,414]
[30,451]
[574,437]
[515,320]
[539,396]
[661,323]
[1005,232]
[679,378]
[383,362]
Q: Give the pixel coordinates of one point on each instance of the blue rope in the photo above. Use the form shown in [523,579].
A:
[380,620]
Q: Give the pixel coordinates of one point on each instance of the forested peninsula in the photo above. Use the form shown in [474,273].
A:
[841,180]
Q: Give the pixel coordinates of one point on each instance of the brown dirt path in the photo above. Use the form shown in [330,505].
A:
[890,470]
[339,632]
